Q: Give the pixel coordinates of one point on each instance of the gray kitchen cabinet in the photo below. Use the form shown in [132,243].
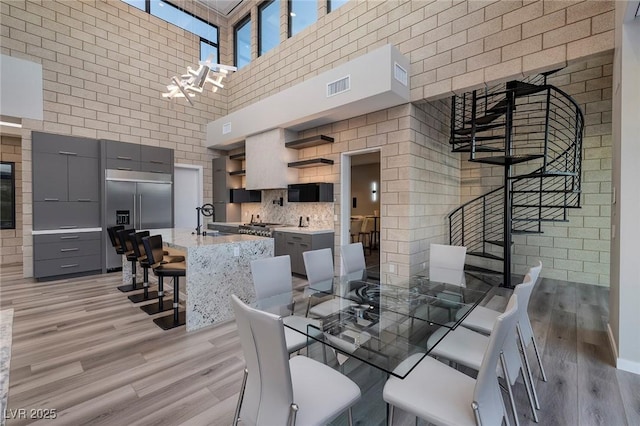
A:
[122,151]
[119,164]
[66,182]
[138,158]
[156,167]
[156,155]
[280,243]
[222,185]
[297,243]
[69,253]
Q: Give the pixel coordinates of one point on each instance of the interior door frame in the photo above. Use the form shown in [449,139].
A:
[200,190]
[345,195]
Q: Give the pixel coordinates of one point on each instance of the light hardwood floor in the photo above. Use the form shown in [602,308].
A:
[80,347]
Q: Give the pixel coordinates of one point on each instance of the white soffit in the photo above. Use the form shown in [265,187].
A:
[372,86]
[20,88]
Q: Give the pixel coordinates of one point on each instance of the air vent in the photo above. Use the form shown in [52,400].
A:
[226,128]
[400,74]
[339,86]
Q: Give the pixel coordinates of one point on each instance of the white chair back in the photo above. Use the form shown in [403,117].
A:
[268,393]
[319,267]
[446,264]
[487,390]
[352,256]
[524,291]
[511,349]
[273,283]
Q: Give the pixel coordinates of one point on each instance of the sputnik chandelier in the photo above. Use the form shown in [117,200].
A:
[194,81]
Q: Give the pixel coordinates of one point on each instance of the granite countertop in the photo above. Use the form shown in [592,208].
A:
[308,231]
[227,223]
[183,238]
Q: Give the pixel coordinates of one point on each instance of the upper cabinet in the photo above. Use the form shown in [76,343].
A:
[66,182]
[134,157]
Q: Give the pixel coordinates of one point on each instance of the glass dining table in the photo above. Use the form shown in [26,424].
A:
[384,325]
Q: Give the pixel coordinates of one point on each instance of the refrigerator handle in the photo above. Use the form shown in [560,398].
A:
[140,210]
[134,211]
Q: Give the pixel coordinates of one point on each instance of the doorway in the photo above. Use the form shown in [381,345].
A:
[360,203]
[187,184]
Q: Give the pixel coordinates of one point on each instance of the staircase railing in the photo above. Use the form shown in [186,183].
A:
[547,126]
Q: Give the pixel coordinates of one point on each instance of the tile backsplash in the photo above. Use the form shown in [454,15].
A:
[320,214]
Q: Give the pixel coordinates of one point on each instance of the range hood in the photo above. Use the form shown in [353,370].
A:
[368,83]
[267,158]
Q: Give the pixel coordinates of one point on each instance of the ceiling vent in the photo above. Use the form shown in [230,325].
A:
[400,74]
[226,128]
[339,86]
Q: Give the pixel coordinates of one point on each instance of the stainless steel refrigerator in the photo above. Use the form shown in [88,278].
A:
[139,200]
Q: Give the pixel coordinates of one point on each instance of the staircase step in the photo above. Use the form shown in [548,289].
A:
[545,191]
[478,269]
[503,160]
[496,243]
[539,220]
[469,139]
[487,118]
[480,148]
[524,89]
[467,131]
[545,174]
[484,254]
[537,206]
[524,232]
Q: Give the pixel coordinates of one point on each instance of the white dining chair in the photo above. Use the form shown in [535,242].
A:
[446,264]
[481,319]
[319,267]
[274,290]
[442,395]
[277,390]
[467,347]
[353,261]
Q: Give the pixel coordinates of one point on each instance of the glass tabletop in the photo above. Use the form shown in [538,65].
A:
[389,326]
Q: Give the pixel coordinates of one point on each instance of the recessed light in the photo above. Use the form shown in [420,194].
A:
[292,13]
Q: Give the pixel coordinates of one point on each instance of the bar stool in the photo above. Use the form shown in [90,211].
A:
[127,250]
[113,237]
[138,249]
[153,249]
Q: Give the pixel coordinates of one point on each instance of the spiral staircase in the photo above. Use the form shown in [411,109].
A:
[533,131]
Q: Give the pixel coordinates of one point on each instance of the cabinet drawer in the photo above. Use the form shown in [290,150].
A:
[65,215]
[120,164]
[298,238]
[72,265]
[65,145]
[156,155]
[156,167]
[56,238]
[122,151]
[66,249]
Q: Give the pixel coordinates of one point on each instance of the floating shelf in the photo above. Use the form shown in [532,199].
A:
[238,173]
[314,162]
[309,142]
[238,156]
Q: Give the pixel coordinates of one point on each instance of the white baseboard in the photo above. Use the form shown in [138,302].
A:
[621,364]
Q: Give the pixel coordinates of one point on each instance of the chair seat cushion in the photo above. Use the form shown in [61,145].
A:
[298,340]
[172,259]
[461,345]
[171,270]
[320,392]
[481,319]
[326,308]
[434,392]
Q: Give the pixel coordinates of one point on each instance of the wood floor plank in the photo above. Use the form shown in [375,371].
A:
[630,392]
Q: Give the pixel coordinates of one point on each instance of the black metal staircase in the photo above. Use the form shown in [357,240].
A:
[534,132]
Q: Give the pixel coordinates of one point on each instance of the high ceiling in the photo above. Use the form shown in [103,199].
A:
[223,7]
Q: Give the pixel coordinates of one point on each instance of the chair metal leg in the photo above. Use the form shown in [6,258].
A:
[390,414]
[528,387]
[292,415]
[535,348]
[527,365]
[308,306]
[350,413]
[476,414]
[512,400]
[236,416]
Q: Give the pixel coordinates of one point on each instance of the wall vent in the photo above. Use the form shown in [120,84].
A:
[226,128]
[339,86]
[400,73]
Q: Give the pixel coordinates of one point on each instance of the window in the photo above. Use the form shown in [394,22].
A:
[242,39]
[207,32]
[334,4]
[268,26]
[7,195]
[302,13]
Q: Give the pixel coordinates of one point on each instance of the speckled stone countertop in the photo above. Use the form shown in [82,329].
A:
[184,239]
[308,231]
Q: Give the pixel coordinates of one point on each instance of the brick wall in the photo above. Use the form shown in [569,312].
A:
[105,65]
[11,246]
[580,249]
[451,45]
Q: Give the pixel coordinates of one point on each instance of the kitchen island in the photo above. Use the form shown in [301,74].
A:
[218,265]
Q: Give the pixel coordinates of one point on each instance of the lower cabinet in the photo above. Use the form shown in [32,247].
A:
[67,253]
[294,244]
